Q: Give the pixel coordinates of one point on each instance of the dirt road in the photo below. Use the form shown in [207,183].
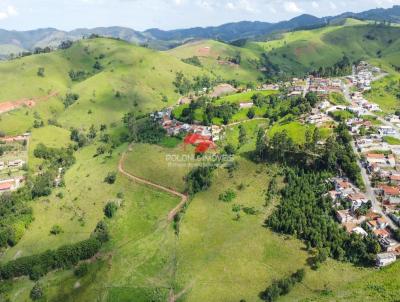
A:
[184,198]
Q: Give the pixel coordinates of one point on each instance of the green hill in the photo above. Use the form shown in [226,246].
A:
[301,51]
[128,78]
[221,59]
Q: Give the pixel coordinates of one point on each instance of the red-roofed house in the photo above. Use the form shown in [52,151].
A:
[390,194]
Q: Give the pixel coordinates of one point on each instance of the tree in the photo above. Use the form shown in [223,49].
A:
[97,66]
[251,113]
[110,209]
[230,149]
[261,144]
[110,178]
[242,135]
[40,72]
[36,292]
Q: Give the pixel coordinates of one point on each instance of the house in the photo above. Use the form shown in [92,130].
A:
[344,216]
[360,231]
[382,223]
[389,244]
[381,233]
[394,179]
[357,200]
[384,259]
[391,194]
[386,130]
[246,105]
[6,186]
[18,163]
[374,158]
[10,184]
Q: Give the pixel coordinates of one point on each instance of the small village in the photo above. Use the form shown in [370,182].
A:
[375,211]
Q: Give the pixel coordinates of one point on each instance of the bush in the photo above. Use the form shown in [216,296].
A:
[36,292]
[81,270]
[110,178]
[110,209]
[227,196]
[199,179]
[282,287]
[230,149]
[101,232]
[56,229]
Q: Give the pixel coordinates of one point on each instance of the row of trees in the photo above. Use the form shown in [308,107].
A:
[38,265]
[184,85]
[282,287]
[342,67]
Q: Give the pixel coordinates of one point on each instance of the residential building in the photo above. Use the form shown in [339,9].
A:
[384,259]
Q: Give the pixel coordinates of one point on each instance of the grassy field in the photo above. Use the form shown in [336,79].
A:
[244,96]
[138,261]
[384,92]
[297,131]
[158,164]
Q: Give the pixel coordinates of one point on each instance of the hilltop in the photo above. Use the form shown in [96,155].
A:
[110,77]
[14,42]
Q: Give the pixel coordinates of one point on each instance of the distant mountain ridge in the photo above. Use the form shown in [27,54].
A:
[18,41]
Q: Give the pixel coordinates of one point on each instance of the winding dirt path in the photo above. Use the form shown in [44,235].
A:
[7,106]
[184,198]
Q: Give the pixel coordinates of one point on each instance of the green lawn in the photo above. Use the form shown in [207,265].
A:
[391,140]
[384,96]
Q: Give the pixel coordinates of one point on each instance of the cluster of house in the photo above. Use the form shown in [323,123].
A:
[11,184]
[12,164]
[318,117]
[363,223]
[12,139]
[363,75]
[174,127]
[323,86]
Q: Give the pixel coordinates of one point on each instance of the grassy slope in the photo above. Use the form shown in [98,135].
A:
[300,51]
[245,72]
[151,162]
[141,75]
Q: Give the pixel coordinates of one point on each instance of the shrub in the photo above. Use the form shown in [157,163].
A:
[110,178]
[56,229]
[110,209]
[36,292]
[227,196]
[81,270]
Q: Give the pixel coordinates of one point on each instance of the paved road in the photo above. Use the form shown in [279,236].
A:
[369,192]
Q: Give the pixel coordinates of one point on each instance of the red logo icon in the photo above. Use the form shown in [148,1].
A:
[202,143]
